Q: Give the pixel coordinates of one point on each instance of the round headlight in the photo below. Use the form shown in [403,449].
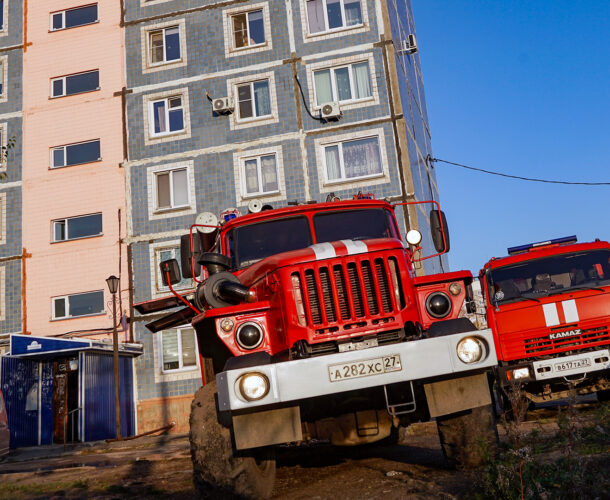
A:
[227,324]
[249,335]
[253,386]
[470,350]
[455,289]
[413,237]
[438,304]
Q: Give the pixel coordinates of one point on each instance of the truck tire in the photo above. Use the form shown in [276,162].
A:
[468,437]
[217,473]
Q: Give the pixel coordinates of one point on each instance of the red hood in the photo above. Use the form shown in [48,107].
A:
[319,251]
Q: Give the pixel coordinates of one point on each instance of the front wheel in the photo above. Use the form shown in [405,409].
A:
[468,437]
[217,472]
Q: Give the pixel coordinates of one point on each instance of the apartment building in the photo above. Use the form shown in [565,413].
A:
[274,100]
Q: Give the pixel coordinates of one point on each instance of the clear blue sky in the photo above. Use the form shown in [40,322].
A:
[520,87]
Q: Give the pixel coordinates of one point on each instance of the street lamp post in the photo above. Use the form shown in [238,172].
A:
[113,286]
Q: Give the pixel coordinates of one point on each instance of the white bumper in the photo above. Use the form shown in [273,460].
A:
[576,364]
[308,378]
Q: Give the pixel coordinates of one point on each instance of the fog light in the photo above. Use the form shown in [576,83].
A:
[249,335]
[520,373]
[455,289]
[227,324]
[253,386]
[470,350]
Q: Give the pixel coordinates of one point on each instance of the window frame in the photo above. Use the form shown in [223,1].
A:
[64,81]
[328,30]
[247,14]
[172,207]
[67,305]
[163,30]
[4,79]
[343,178]
[66,219]
[52,150]
[151,108]
[333,83]
[5,10]
[156,249]
[181,369]
[242,163]
[63,17]
[254,117]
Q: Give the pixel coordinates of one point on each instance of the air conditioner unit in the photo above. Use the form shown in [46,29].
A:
[409,46]
[330,111]
[223,105]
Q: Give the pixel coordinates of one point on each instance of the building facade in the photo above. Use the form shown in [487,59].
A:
[269,67]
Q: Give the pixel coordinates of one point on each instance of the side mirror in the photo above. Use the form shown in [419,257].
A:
[170,266]
[438,226]
[185,255]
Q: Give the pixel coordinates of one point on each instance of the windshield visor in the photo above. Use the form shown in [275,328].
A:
[549,276]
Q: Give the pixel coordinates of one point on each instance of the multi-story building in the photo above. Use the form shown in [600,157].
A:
[63,218]
[271,68]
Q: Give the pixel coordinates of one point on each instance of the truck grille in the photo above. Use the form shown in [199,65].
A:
[347,294]
[544,345]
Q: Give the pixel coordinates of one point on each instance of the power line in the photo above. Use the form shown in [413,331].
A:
[531,179]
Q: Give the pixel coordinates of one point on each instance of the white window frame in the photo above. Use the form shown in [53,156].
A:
[64,147]
[4,64]
[149,122]
[3,143]
[335,32]
[165,213]
[170,173]
[239,159]
[2,293]
[63,79]
[326,186]
[252,98]
[65,221]
[373,100]
[333,83]
[229,41]
[63,17]
[145,33]
[67,303]
[158,289]
[239,123]
[161,375]
[3,196]
[4,30]
[259,174]
[179,331]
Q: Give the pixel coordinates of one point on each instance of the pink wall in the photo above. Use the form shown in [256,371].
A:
[80,265]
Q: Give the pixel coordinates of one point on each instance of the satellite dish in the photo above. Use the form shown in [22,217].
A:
[255,206]
[207,219]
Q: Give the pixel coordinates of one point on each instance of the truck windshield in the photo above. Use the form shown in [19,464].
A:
[251,243]
[549,276]
[353,225]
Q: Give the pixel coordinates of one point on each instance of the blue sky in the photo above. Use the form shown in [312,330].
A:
[520,87]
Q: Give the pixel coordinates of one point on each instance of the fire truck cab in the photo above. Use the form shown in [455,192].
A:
[314,326]
[548,304]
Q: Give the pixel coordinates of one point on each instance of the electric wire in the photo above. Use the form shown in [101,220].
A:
[530,179]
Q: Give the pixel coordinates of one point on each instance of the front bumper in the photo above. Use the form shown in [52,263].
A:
[308,378]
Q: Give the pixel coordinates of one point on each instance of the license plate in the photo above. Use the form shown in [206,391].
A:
[572,365]
[364,368]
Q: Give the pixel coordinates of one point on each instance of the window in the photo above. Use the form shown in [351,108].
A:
[164,45]
[80,304]
[167,116]
[2,15]
[75,84]
[351,159]
[326,15]
[71,18]
[346,83]
[75,154]
[172,189]
[248,29]
[3,62]
[253,100]
[74,228]
[179,349]
[166,253]
[260,175]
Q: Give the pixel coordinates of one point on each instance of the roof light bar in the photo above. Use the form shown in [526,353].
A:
[529,246]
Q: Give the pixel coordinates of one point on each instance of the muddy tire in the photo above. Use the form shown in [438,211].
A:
[217,473]
[468,438]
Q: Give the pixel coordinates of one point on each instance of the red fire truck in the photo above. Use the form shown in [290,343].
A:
[548,304]
[312,325]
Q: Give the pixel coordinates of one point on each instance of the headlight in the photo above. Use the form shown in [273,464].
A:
[520,373]
[253,386]
[455,289]
[438,304]
[226,324]
[249,335]
[470,350]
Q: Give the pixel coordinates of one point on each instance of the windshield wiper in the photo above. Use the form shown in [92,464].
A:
[517,299]
[564,290]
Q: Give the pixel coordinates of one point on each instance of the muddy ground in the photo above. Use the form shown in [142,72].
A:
[160,467]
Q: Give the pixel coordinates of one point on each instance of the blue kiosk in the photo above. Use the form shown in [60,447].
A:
[62,390]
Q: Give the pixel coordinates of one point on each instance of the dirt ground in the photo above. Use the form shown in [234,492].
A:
[160,467]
